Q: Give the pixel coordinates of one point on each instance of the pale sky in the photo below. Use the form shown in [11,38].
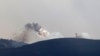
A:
[65,16]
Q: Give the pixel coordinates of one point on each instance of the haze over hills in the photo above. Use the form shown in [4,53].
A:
[4,43]
[64,16]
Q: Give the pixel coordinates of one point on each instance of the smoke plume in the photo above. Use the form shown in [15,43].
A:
[34,32]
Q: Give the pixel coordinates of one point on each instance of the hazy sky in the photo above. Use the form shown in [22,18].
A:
[65,16]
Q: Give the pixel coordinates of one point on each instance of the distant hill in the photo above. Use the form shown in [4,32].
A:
[4,43]
[57,47]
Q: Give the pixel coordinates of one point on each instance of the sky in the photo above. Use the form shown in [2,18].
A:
[65,16]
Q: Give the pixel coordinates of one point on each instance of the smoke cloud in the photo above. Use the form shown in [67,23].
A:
[33,32]
[30,33]
[28,26]
[22,37]
[82,35]
[36,27]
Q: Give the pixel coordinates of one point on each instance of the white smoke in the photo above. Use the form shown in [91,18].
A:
[84,35]
[55,35]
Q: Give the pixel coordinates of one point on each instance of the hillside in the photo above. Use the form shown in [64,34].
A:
[57,47]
